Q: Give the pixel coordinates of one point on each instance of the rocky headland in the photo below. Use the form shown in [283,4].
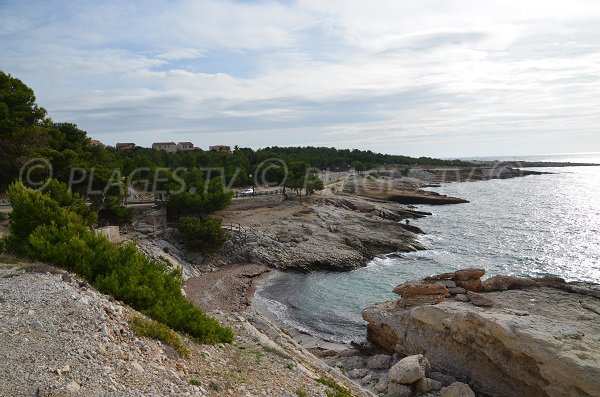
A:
[318,232]
[503,336]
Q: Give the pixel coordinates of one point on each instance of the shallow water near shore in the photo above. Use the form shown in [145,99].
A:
[531,226]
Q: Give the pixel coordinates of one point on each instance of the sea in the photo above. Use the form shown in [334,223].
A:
[529,226]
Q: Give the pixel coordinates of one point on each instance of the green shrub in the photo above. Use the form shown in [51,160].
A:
[114,212]
[214,385]
[300,392]
[204,236]
[42,230]
[195,382]
[337,390]
[153,329]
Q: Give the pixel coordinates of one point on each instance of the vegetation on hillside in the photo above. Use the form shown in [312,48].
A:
[54,227]
[26,131]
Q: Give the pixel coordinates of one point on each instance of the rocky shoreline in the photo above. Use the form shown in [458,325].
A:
[504,336]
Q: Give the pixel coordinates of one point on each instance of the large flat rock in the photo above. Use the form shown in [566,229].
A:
[532,342]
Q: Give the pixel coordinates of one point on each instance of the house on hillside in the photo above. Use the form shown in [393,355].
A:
[125,146]
[95,142]
[220,148]
[185,146]
[170,147]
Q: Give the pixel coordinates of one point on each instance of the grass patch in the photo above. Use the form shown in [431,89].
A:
[301,392]
[336,389]
[156,330]
[214,385]
[195,382]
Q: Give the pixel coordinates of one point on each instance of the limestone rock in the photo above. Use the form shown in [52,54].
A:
[461,297]
[382,384]
[457,389]
[409,370]
[457,290]
[357,373]
[417,288]
[445,380]
[425,385]
[73,387]
[421,300]
[479,299]
[468,274]
[379,361]
[443,276]
[448,283]
[554,351]
[397,390]
[470,285]
[352,362]
[503,283]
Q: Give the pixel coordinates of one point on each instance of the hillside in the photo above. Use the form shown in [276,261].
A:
[63,338]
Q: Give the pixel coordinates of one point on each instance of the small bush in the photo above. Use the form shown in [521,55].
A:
[214,385]
[337,390]
[156,330]
[195,382]
[300,392]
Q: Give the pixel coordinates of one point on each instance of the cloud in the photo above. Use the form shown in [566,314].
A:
[392,76]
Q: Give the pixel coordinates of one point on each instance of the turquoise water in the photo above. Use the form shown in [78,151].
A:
[536,225]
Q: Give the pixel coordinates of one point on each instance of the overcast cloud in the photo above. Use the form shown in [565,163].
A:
[443,78]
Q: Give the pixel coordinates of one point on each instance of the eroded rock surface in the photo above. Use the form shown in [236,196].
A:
[538,341]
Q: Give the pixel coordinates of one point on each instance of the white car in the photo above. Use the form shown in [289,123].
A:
[247,192]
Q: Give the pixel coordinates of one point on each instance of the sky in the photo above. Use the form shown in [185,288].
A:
[448,78]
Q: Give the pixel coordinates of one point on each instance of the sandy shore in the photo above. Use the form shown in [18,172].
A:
[229,289]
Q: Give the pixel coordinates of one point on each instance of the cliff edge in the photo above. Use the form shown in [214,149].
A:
[529,337]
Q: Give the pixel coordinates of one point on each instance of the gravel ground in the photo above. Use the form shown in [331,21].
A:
[63,338]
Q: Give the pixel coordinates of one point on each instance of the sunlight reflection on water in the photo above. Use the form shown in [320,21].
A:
[531,226]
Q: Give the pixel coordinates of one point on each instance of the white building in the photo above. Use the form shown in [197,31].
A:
[185,146]
[170,147]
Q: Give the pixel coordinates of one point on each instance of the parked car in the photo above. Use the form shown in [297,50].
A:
[247,192]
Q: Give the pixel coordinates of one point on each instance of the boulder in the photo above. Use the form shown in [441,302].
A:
[351,362]
[382,384]
[468,274]
[470,285]
[479,300]
[457,389]
[503,283]
[461,297]
[409,370]
[397,390]
[448,283]
[417,288]
[379,361]
[445,380]
[425,385]
[421,300]
[457,290]
[357,373]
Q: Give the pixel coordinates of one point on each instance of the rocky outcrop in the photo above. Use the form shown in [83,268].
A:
[395,376]
[330,232]
[542,339]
